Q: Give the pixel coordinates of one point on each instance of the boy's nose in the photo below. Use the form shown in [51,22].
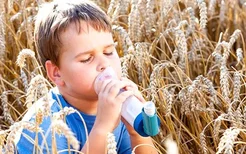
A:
[102,68]
[104,63]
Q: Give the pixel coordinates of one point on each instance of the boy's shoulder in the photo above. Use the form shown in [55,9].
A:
[43,105]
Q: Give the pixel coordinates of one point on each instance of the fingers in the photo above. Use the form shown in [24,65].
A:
[124,95]
[132,84]
[133,87]
[136,93]
[112,88]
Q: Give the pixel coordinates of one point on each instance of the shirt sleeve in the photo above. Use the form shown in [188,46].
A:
[125,142]
[32,142]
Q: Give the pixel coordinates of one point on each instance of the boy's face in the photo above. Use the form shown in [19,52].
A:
[83,56]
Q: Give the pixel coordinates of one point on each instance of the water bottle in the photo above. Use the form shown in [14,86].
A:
[141,116]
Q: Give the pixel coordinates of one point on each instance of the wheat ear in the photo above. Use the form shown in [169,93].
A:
[203,142]
[2,35]
[62,113]
[2,139]
[123,38]
[6,111]
[111,7]
[234,37]
[23,55]
[222,11]
[203,13]
[239,53]
[211,7]
[227,140]
[237,87]
[36,86]
[14,129]
[60,127]
[171,146]
[224,81]
[111,144]
[150,17]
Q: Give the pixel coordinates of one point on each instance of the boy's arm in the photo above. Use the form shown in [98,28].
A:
[96,142]
[137,139]
[108,114]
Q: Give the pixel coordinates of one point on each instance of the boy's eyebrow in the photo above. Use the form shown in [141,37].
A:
[89,51]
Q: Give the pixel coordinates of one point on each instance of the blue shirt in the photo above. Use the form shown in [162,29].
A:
[25,142]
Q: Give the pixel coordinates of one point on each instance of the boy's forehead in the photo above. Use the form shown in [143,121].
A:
[83,30]
[78,27]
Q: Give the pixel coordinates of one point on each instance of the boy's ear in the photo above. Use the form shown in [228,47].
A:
[53,73]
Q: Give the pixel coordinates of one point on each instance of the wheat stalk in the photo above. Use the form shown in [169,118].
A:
[60,127]
[244,115]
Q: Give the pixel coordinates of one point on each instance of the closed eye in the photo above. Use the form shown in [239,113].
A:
[109,53]
[86,60]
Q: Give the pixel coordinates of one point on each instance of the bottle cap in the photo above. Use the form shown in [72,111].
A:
[149,108]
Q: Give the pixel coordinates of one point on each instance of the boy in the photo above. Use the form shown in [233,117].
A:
[75,44]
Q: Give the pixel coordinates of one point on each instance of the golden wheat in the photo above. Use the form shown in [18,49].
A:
[186,56]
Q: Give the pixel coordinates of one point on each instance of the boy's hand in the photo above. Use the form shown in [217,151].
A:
[110,103]
[133,87]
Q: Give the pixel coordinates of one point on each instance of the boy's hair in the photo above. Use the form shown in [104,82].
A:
[55,17]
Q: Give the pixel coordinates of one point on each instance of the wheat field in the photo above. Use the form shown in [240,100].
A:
[187,56]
